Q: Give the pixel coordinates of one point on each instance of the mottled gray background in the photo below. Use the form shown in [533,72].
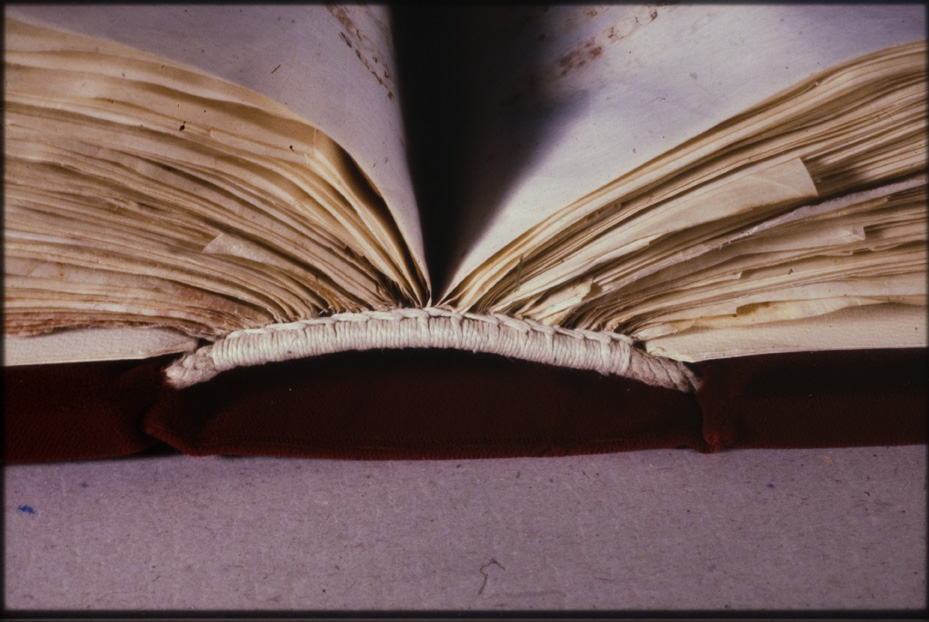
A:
[800,529]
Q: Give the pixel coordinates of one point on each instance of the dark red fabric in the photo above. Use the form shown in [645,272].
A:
[815,399]
[78,411]
[444,404]
[421,404]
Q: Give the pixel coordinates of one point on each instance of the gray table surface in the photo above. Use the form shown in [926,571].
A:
[799,529]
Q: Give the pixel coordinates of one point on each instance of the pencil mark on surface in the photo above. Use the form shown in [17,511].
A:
[492,562]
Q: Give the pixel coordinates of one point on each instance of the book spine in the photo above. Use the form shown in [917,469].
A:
[607,353]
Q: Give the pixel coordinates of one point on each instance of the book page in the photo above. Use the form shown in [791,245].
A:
[333,66]
[96,344]
[591,93]
[902,326]
[807,203]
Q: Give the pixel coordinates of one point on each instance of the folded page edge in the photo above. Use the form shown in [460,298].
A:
[432,327]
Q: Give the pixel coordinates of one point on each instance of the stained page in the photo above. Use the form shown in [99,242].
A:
[586,95]
[332,65]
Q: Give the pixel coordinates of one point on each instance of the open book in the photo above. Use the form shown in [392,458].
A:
[636,187]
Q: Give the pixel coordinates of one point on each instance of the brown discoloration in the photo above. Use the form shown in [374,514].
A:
[545,33]
[341,14]
[578,57]
[365,50]
[592,48]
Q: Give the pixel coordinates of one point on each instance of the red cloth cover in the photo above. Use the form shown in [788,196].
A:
[447,404]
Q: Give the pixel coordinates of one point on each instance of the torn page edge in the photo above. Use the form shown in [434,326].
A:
[808,211]
[607,353]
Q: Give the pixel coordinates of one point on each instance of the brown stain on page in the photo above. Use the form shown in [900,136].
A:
[592,48]
[550,73]
[365,50]
[578,57]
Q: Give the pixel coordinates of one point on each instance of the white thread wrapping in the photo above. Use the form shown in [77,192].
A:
[607,353]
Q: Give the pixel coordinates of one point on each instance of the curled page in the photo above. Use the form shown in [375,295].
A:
[332,65]
[592,93]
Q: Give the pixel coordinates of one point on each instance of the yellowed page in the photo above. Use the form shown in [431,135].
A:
[901,326]
[96,344]
[606,89]
[142,193]
[332,65]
